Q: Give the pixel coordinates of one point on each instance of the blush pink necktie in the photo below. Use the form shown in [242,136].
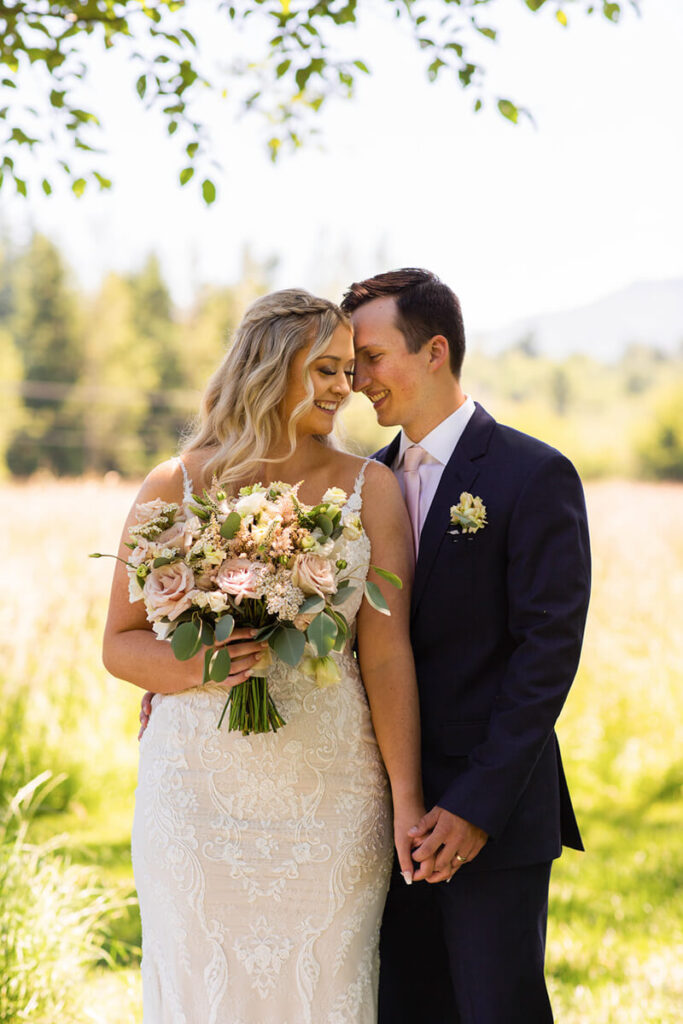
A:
[412,460]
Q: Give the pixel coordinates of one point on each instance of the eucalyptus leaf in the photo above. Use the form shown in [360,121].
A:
[390,577]
[376,598]
[288,643]
[322,633]
[224,628]
[220,665]
[342,595]
[158,562]
[325,524]
[207,634]
[231,525]
[267,631]
[314,603]
[186,641]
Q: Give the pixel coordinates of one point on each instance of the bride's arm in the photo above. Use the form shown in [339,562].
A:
[385,655]
[130,649]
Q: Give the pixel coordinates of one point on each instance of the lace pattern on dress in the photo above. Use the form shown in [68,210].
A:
[262,861]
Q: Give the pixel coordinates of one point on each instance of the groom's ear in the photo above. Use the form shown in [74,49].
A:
[438,351]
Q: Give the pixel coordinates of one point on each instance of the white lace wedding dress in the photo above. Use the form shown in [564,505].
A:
[262,861]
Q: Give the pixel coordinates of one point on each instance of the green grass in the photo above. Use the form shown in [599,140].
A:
[615,941]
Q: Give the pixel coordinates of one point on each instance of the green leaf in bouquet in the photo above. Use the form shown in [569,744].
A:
[220,665]
[231,525]
[267,631]
[337,532]
[343,630]
[207,664]
[322,633]
[376,598]
[207,634]
[288,643]
[224,628]
[325,524]
[186,641]
[314,603]
[342,594]
[390,577]
[161,560]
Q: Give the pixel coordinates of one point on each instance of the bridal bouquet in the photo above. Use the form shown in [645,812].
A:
[262,559]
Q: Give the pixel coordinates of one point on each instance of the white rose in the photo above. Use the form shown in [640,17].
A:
[251,504]
[335,496]
[353,528]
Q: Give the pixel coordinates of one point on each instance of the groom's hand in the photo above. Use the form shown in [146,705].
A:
[448,838]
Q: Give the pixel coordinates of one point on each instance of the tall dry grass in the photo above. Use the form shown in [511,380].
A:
[615,939]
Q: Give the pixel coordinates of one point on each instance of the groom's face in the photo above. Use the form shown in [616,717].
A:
[385,371]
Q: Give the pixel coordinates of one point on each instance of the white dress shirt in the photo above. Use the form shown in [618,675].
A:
[439,445]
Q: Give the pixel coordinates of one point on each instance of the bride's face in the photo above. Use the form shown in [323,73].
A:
[331,374]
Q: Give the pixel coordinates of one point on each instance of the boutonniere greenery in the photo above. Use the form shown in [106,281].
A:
[469,515]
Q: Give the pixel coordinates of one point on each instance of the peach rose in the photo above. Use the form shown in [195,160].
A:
[166,591]
[314,575]
[238,577]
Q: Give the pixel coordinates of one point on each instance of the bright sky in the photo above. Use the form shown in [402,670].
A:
[517,220]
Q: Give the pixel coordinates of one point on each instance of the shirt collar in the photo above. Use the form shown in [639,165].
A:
[440,442]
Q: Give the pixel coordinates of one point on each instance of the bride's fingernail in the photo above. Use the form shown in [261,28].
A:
[407,877]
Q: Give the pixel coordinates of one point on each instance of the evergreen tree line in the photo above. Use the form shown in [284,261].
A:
[103,382]
[94,383]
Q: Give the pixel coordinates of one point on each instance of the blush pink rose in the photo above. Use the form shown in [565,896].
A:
[238,578]
[180,536]
[166,591]
[149,510]
[314,575]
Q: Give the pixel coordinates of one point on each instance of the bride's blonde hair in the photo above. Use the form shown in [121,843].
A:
[240,414]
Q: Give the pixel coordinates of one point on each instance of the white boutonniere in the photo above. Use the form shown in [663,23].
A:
[469,515]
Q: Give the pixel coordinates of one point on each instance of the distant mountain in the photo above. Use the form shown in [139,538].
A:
[649,312]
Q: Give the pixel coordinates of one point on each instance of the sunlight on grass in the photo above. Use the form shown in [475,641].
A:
[615,943]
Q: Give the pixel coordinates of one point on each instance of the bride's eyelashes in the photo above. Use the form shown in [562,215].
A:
[333,373]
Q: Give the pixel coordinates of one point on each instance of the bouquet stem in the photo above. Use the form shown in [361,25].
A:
[252,709]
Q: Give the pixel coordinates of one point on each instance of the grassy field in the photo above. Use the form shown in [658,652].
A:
[615,948]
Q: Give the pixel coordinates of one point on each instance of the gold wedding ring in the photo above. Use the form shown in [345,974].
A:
[461,859]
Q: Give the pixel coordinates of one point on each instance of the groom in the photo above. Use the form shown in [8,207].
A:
[497,624]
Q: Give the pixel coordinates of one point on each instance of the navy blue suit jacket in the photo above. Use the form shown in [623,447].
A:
[497,626]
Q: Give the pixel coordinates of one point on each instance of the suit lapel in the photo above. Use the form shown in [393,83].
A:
[459,475]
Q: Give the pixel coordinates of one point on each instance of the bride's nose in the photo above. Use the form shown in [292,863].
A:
[341,386]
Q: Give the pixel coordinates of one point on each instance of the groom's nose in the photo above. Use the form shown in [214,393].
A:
[360,377]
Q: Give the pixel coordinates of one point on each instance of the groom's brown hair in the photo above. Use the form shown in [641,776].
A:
[425,306]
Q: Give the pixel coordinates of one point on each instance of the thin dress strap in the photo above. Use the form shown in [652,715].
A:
[355,502]
[187,486]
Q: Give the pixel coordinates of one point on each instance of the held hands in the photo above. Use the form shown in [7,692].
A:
[244,653]
[442,843]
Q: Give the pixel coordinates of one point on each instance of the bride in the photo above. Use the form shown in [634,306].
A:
[262,861]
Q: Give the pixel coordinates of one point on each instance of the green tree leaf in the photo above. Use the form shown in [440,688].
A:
[508,110]
[208,191]
[185,175]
